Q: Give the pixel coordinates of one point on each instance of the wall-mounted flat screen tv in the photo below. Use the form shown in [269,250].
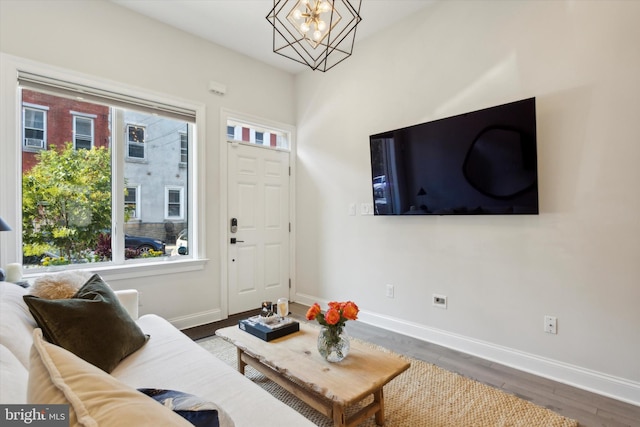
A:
[478,163]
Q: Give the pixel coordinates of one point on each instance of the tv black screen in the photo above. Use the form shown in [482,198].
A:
[478,163]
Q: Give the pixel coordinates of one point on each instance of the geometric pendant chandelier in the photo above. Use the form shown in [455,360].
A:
[317,33]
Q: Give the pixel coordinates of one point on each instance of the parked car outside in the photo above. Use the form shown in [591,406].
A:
[379,186]
[182,246]
[143,244]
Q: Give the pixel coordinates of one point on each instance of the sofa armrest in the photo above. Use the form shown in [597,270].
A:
[129,300]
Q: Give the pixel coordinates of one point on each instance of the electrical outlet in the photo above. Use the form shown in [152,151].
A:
[366,209]
[440,301]
[551,324]
[390,291]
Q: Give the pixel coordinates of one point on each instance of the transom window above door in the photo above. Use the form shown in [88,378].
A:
[255,134]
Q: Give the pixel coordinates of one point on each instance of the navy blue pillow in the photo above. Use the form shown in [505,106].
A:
[198,412]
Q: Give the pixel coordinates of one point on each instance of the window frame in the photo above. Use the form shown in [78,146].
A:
[184,149]
[91,137]
[39,109]
[167,191]
[248,130]
[131,143]
[136,189]
[11,154]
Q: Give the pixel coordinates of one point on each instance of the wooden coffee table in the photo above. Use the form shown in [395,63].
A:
[294,363]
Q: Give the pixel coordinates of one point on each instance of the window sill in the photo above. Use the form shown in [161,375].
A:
[170,265]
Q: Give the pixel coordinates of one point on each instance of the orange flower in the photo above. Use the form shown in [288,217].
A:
[332,316]
[350,310]
[336,305]
[313,311]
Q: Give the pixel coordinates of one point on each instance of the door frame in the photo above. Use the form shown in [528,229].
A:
[225,116]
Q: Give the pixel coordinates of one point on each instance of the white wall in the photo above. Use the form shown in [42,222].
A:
[106,41]
[578,260]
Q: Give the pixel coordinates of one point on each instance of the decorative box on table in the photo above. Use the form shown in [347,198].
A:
[269,329]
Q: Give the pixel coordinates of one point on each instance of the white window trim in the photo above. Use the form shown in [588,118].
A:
[86,115]
[167,189]
[10,164]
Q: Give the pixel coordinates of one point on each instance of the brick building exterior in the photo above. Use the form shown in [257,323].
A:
[60,117]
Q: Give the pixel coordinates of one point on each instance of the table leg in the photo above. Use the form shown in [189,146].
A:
[378,397]
[241,363]
[339,417]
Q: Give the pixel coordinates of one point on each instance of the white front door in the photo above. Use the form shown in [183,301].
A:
[258,196]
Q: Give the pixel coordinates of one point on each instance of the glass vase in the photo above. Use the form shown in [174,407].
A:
[333,343]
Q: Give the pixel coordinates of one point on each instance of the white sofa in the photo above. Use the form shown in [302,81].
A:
[168,360]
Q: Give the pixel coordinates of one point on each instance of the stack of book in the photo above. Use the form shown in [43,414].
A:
[269,328]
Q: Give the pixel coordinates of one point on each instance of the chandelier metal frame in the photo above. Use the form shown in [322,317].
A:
[335,23]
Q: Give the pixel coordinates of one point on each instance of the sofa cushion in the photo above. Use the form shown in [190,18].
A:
[197,411]
[96,398]
[16,323]
[171,360]
[13,383]
[93,324]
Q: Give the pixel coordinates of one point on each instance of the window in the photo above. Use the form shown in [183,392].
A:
[82,132]
[174,203]
[34,128]
[256,134]
[79,185]
[131,205]
[231,133]
[184,149]
[135,142]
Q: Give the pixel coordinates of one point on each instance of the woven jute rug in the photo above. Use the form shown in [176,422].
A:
[423,396]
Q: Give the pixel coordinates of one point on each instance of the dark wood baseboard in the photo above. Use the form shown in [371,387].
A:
[203,331]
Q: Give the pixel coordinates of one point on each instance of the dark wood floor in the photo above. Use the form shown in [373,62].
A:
[589,409]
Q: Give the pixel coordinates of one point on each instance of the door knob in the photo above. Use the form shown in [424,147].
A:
[234,241]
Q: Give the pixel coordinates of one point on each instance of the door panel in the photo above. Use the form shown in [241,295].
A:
[259,199]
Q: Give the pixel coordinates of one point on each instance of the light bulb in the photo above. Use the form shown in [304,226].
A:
[324,6]
[322,25]
[304,27]
[297,14]
[304,1]
[317,35]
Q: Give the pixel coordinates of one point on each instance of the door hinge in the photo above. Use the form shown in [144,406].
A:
[289,170]
[289,227]
[289,283]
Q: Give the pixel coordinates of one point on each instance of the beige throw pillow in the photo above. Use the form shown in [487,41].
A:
[59,285]
[96,398]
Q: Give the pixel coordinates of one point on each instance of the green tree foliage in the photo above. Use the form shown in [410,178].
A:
[66,201]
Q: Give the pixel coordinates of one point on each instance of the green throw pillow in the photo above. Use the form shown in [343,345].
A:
[92,324]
